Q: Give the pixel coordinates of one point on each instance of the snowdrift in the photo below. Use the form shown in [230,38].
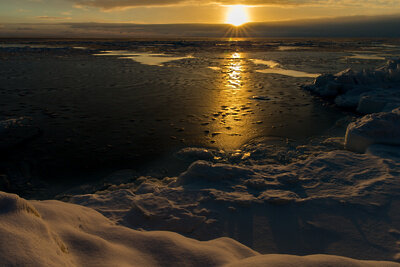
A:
[335,202]
[53,233]
[368,91]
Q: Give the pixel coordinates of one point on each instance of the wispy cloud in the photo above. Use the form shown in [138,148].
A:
[122,4]
[52,18]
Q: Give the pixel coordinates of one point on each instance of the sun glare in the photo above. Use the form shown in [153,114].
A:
[237,15]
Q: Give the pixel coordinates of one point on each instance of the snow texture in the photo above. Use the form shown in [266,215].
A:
[273,208]
[53,233]
[368,91]
[379,128]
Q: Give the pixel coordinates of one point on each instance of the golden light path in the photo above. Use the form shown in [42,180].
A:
[234,112]
[237,15]
[234,80]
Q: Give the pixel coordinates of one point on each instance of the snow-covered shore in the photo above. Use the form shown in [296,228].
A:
[367,91]
[331,201]
[326,201]
[54,233]
[318,199]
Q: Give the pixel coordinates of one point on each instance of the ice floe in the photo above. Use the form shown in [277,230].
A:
[144,58]
[275,68]
[368,91]
[367,56]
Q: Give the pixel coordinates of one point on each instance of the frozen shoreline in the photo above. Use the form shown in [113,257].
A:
[326,201]
[53,233]
[299,199]
[367,91]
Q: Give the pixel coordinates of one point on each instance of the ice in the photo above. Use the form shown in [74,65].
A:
[214,68]
[378,128]
[26,46]
[291,73]
[269,63]
[367,57]
[289,48]
[377,102]
[205,172]
[276,68]
[144,58]
[299,199]
[193,153]
[368,91]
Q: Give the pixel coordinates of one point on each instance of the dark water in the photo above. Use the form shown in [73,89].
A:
[98,114]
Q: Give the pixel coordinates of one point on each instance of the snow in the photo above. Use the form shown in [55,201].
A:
[193,153]
[367,56]
[276,68]
[144,58]
[377,128]
[294,203]
[54,233]
[367,91]
[313,199]
[314,260]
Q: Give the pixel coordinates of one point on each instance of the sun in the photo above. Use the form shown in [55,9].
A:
[237,15]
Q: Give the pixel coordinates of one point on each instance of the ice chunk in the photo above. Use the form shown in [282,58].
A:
[203,171]
[379,128]
[193,153]
[368,90]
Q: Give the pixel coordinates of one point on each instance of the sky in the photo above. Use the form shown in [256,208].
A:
[22,15]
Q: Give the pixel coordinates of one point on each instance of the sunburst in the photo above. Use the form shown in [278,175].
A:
[237,15]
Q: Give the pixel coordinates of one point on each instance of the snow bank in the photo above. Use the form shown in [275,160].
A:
[309,261]
[368,91]
[378,128]
[53,233]
[273,208]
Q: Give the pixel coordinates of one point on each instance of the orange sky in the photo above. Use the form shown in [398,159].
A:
[183,11]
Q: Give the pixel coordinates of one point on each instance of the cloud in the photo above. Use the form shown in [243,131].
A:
[355,26]
[123,4]
[52,18]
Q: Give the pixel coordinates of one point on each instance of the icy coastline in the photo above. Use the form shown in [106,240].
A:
[53,233]
[330,201]
[367,91]
[340,196]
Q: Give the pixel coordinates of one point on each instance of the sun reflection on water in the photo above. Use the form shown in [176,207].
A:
[234,71]
[234,111]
